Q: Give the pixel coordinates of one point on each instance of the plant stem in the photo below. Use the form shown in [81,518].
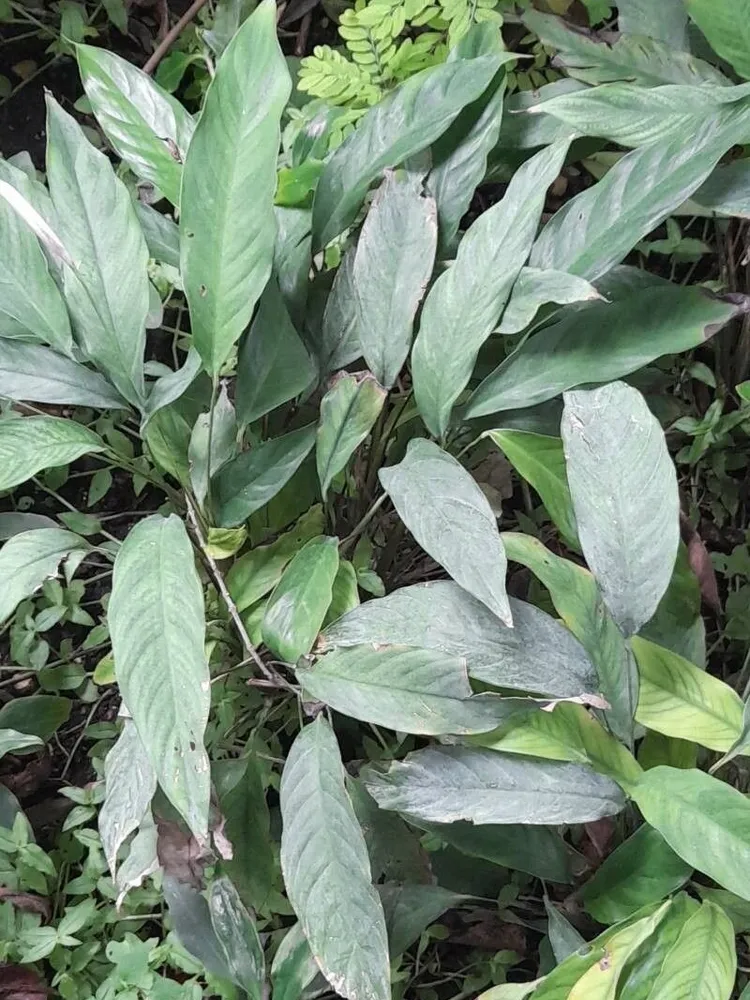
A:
[164,46]
[362,524]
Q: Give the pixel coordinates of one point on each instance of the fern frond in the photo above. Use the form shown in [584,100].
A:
[331,76]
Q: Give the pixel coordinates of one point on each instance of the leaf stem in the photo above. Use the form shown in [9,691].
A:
[362,524]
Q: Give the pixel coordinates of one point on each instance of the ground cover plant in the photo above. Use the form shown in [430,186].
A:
[343,527]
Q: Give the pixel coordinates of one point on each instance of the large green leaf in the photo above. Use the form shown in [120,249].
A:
[347,413]
[36,715]
[665,22]
[704,820]
[147,127]
[450,517]
[238,936]
[273,365]
[406,121]
[406,689]
[643,869]
[249,481]
[294,968]
[108,292]
[327,871]
[156,618]
[625,496]
[37,374]
[466,301]
[727,190]
[31,305]
[445,784]
[298,605]
[410,909]
[535,288]
[703,962]
[601,342]
[392,265]
[31,557]
[227,237]
[537,654]
[30,444]
[646,962]
[726,25]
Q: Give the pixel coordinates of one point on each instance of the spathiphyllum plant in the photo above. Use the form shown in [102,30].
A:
[333,661]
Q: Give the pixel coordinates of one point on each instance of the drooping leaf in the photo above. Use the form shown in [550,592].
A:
[292,258]
[665,22]
[156,616]
[445,784]
[726,190]
[646,962]
[535,288]
[298,604]
[600,343]
[33,373]
[344,592]
[643,869]
[238,936]
[449,516]
[31,557]
[227,238]
[273,365]
[148,128]
[736,908]
[130,784]
[327,871]
[36,715]
[406,121]
[11,740]
[347,413]
[218,427]
[161,234]
[107,293]
[410,909]
[142,859]
[338,344]
[294,967]
[536,655]
[563,937]
[725,23]
[191,919]
[30,444]
[392,266]
[13,523]
[466,301]
[249,481]
[169,388]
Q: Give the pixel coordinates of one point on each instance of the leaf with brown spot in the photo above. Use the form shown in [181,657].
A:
[179,853]
[701,565]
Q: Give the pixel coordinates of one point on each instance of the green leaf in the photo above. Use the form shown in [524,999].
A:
[410,909]
[741,744]
[643,326]
[249,481]
[394,848]
[625,496]
[298,605]
[445,784]
[33,373]
[162,235]
[541,462]
[36,715]
[678,699]
[273,365]
[156,616]
[392,266]
[737,909]
[292,259]
[227,238]
[535,288]
[31,557]
[338,343]
[191,919]
[294,967]
[466,301]
[347,413]
[703,963]
[11,740]
[220,426]
[703,820]
[726,25]
[142,859]
[644,965]
[536,655]
[344,593]
[147,127]
[30,444]
[327,871]
[665,22]
[564,939]
[450,517]
[31,304]
[117,13]
[726,190]
[13,523]
[406,689]
[238,936]
[130,784]
[643,869]
[406,121]
[107,293]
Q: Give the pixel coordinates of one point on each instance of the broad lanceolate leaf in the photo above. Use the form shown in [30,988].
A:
[625,496]
[680,700]
[645,964]
[130,783]
[535,288]
[537,654]
[294,967]
[601,342]
[249,481]
[405,122]
[162,235]
[298,605]
[238,936]
[30,444]
[347,413]
[30,303]
[147,127]
[226,237]
[642,870]
[31,557]
[327,871]
[406,689]
[338,343]
[107,293]
[156,619]
[704,820]
[216,430]
[410,909]
[392,265]
[273,365]
[450,517]
[445,784]
[726,25]
[466,301]
[564,939]
[33,373]
[703,962]
[665,22]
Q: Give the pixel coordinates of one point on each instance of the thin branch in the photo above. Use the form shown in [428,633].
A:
[166,43]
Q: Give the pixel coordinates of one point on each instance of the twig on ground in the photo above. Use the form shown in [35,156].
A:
[165,44]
